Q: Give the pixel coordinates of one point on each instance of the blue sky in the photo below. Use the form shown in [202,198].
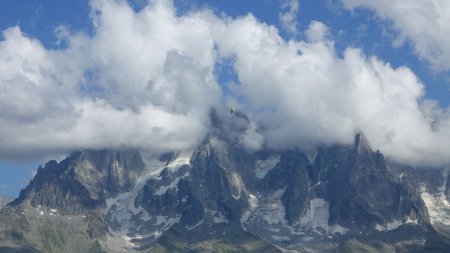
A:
[361,28]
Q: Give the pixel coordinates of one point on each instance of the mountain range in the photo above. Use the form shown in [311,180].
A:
[220,197]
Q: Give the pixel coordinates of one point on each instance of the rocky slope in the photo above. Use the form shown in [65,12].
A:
[220,198]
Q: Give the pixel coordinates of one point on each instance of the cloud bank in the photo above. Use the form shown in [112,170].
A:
[142,80]
[146,79]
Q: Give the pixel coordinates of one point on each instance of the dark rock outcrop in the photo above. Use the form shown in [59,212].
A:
[361,190]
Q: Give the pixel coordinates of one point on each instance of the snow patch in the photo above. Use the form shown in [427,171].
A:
[157,234]
[393,225]
[238,184]
[167,221]
[410,220]
[269,212]
[389,226]
[183,158]
[437,204]
[379,227]
[160,220]
[122,209]
[316,218]
[194,226]
[128,239]
[171,221]
[438,207]
[163,189]
[337,229]
[253,200]
[264,166]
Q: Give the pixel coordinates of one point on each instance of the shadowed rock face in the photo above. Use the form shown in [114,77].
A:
[108,172]
[361,190]
[83,180]
[211,182]
[291,173]
[354,181]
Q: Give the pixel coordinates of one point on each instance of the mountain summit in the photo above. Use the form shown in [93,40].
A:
[219,197]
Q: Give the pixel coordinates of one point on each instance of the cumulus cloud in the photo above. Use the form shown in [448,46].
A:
[306,95]
[317,31]
[422,22]
[146,79]
[288,16]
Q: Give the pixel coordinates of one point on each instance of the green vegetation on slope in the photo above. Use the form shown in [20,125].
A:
[173,241]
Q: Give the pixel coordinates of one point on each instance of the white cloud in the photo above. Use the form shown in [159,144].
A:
[423,22]
[288,16]
[306,95]
[317,31]
[251,139]
[145,79]
[142,80]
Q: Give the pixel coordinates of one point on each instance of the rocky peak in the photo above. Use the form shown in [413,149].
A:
[361,144]
[216,167]
[368,192]
[106,170]
[83,180]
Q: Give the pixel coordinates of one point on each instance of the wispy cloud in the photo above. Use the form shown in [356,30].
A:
[423,23]
[288,16]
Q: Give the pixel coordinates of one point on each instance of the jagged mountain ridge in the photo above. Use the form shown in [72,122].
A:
[83,180]
[221,196]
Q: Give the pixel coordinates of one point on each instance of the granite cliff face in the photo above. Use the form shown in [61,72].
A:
[361,190]
[220,197]
[84,180]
